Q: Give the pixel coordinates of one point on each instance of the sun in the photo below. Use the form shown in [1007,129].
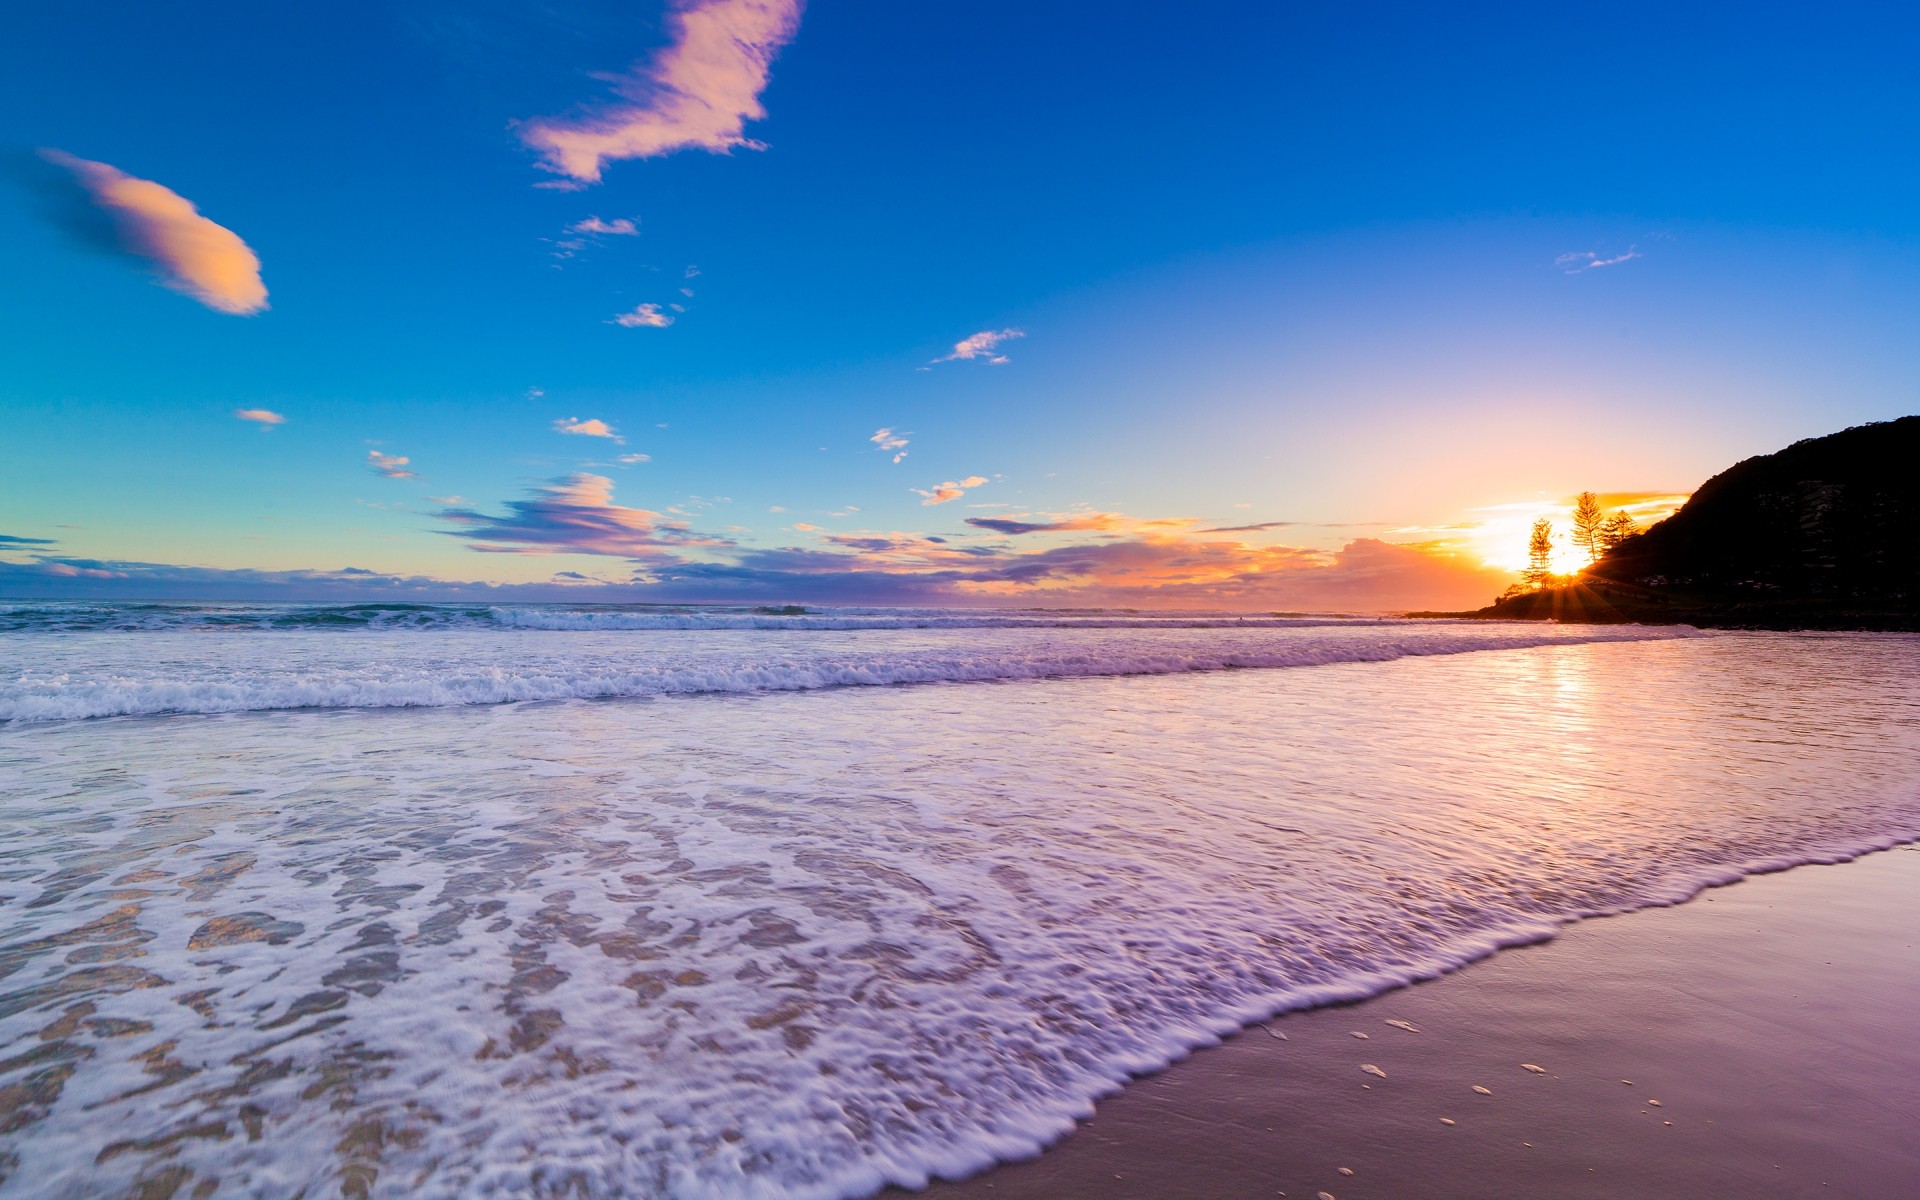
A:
[1500,535]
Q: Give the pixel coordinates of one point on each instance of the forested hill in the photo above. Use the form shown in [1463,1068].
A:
[1834,518]
[1822,535]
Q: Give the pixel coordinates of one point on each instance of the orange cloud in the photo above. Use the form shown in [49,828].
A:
[266,417]
[593,427]
[195,256]
[697,93]
[950,490]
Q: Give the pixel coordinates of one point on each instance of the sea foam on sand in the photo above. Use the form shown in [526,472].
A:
[792,944]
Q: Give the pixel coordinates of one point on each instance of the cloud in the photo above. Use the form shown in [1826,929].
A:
[618,227]
[1160,567]
[195,256]
[697,93]
[265,416]
[8,539]
[1587,260]
[575,515]
[950,490]
[1100,521]
[629,459]
[646,316]
[393,466]
[448,499]
[593,427]
[889,441]
[1250,528]
[588,233]
[982,345]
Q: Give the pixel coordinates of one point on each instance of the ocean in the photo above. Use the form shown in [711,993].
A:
[539,900]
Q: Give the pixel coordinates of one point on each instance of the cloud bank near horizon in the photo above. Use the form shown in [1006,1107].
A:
[1089,559]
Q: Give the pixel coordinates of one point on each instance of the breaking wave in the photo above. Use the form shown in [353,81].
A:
[64,678]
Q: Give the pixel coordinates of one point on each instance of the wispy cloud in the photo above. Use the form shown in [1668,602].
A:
[646,316]
[582,234]
[265,417]
[941,493]
[1587,260]
[393,466]
[448,499]
[1088,521]
[618,227]
[195,256]
[575,515]
[592,427]
[890,442]
[697,93]
[627,460]
[984,344]
[1255,528]
[8,539]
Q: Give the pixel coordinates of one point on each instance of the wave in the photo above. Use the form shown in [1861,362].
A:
[159,618]
[61,691]
[808,955]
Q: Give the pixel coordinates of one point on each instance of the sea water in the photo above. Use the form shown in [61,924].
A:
[418,900]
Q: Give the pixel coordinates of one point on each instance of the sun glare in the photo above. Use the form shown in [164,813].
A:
[1500,537]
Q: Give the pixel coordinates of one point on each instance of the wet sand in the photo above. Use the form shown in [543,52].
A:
[1776,1023]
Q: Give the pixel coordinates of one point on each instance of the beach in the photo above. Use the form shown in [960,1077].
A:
[1755,1041]
[428,900]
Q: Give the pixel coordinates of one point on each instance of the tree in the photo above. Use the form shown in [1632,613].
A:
[1587,524]
[1614,530]
[1540,554]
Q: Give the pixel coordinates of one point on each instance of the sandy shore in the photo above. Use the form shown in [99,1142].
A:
[1760,1041]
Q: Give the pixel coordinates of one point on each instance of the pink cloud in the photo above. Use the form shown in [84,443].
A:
[618,227]
[576,515]
[697,93]
[393,466]
[265,417]
[982,345]
[593,427]
[646,316]
[890,442]
[195,256]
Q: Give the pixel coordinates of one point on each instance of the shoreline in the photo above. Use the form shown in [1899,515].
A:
[1769,1016]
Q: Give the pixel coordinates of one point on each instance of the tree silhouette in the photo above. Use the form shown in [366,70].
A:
[1540,554]
[1588,523]
[1614,530]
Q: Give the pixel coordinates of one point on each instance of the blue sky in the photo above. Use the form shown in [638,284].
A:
[1382,275]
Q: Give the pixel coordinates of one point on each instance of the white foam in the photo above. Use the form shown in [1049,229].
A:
[149,617]
[810,944]
[66,677]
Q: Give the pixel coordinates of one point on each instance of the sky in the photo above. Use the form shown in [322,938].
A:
[1222,305]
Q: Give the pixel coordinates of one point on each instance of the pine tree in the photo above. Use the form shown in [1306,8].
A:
[1587,524]
[1540,554]
[1614,530]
